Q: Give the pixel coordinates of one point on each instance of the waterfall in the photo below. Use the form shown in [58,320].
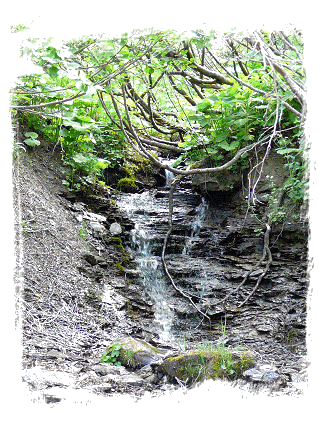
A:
[150,216]
[196,226]
[169,176]
[140,208]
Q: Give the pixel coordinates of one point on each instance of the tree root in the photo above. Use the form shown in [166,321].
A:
[266,252]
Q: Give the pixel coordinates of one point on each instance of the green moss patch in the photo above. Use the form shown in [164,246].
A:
[127,184]
[197,365]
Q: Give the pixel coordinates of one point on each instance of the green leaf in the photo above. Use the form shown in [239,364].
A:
[149,70]
[52,53]
[32,142]
[31,134]
[103,164]
[229,147]
[80,158]
[116,346]
[287,150]
[53,71]
[203,105]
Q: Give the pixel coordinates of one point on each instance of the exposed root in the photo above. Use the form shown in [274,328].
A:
[266,252]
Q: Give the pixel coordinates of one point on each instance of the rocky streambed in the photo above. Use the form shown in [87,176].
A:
[89,276]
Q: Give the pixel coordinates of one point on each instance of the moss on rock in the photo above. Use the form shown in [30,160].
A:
[196,366]
[137,353]
[127,184]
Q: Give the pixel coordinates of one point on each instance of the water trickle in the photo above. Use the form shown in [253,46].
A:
[169,176]
[149,212]
[142,209]
[197,223]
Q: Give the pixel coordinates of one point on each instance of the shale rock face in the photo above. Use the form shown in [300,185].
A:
[220,181]
[82,290]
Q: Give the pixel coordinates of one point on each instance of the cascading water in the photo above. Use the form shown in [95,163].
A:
[169,177]
[150,216]
[142,209]
[197,223]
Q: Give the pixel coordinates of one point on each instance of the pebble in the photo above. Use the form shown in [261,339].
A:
[115,228]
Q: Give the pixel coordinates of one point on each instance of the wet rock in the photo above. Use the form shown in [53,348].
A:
[267,374]
[146,372]
[88,379]
[102,369]
[130,379]
[78,206]
[265,328]
[93,259]
[94,217]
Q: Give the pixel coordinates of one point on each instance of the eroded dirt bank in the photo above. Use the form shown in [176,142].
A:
[75,297]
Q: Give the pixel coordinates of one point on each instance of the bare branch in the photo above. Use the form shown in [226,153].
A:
[51,103]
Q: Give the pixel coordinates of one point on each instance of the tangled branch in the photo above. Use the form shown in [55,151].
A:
[266,252]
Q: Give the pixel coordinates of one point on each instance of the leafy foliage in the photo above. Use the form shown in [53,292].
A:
[208,96]
[111,356]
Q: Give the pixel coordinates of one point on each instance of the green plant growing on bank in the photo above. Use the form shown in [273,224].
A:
[293,151]
[86,103]
[111,356]
[117,241]
[119,267]
[32,139]
[82,233]
[223,364]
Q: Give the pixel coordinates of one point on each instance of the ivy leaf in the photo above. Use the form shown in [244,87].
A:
[32,142]
[149,70]
[31,134]
[102,164]
[287,150]
[52,53]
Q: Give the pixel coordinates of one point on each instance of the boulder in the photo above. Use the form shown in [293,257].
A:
[97,226]
[137,353]
[198,365]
